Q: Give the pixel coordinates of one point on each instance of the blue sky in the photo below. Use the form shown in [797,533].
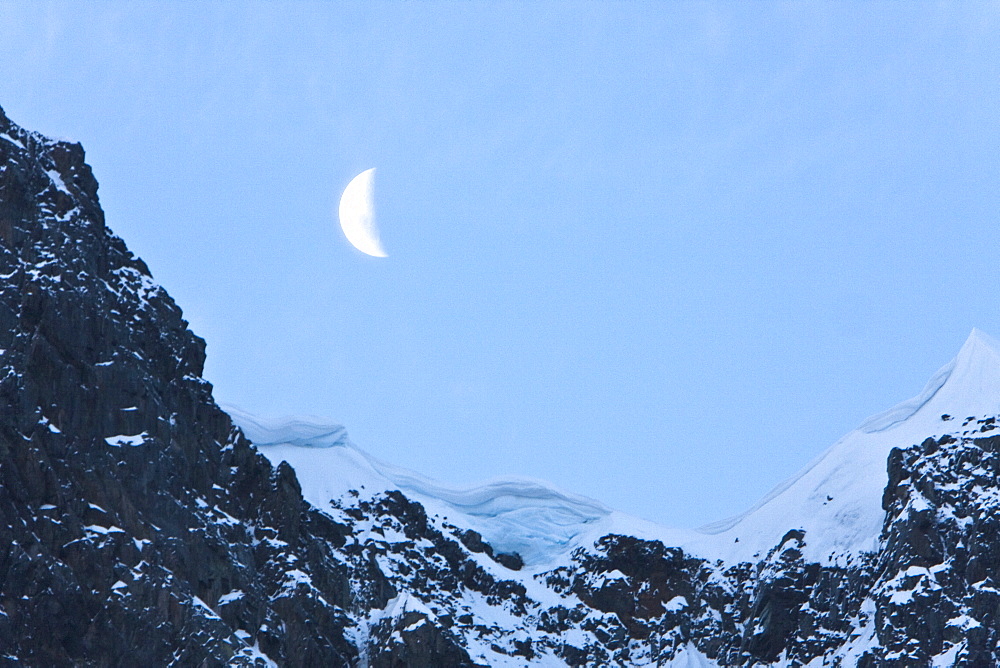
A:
[660,254]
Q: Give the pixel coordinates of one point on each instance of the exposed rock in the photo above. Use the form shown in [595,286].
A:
[140,527]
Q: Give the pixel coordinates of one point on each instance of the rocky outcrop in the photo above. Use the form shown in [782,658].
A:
[938,592]
[139,526]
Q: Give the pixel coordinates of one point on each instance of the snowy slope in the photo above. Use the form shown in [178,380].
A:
[529,517]
[836,499]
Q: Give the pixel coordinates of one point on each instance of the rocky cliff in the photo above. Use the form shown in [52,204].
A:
[142,528]
[139,527]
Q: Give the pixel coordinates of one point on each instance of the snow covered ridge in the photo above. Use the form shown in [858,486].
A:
[860,524]
[836,500]
[523,516]
[306,432]
[839,566]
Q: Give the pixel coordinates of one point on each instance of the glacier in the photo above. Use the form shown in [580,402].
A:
[514,515]
[835,500]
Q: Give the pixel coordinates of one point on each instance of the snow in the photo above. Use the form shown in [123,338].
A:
[529,517]
[15,142]
[44,421]
[234,595]
[98,529]
[864,639]
[690,657]
[949,657]
[57,180]
[402,604]
[836,499]
[308,432]
[205,609]
[676,604]
[963,622]
[295,577]
[124,439]
[255,653]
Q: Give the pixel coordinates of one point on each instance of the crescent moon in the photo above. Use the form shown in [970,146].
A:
[357,214]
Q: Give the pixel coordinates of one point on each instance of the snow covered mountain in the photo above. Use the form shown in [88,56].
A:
[833,509]
[836,500]
[142,527]
[530,518]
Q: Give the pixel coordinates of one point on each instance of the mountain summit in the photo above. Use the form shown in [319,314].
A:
[824,533]
[141,527]
[837,499]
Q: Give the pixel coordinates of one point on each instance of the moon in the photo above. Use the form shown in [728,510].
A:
[357,214]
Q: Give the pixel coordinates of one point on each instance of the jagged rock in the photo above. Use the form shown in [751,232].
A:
[139,526]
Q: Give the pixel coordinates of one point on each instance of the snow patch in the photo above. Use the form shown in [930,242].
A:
[57,180]
[124,439]
[234,595]
[205,609]
[15,142]
[98,529]
[690,657]
[676,604]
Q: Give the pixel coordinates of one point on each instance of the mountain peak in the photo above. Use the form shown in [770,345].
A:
[980,353]
[837,498]
[967,385]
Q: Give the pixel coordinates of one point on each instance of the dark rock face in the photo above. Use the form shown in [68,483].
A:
[140,527]
[941,560]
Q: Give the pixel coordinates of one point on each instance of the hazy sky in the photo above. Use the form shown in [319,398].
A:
[660,254]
